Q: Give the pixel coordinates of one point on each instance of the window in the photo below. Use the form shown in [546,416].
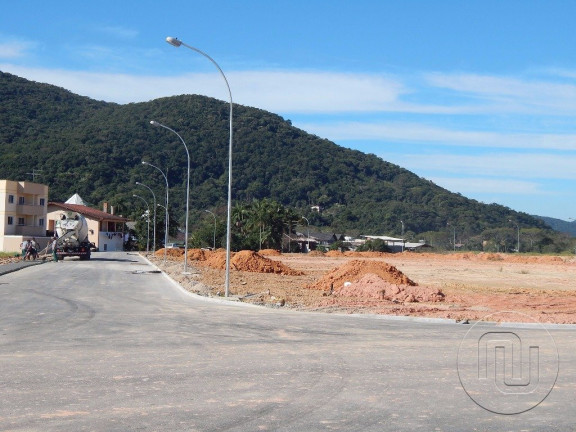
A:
[42,201]
[41,222]
[10,220]
[21,221]
[10,199]
[21,200]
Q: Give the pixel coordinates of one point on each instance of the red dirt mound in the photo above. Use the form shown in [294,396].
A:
[198,254]
[373,286]
[193,254]
[270,252]
[354,270]
[251,262]
[365,254]
[170,252]
[217,259]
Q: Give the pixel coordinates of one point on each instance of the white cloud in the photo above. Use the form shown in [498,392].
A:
[306,92]
[118,31]
[511,165]
[429,135]
[316,91]
[482,185]
[511,94]
[10,50]
[565,73]
[312,92]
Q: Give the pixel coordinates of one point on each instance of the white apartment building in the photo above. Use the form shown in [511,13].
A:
[23,210]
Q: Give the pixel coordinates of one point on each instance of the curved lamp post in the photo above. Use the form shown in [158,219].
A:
[176,42]
[154,227]
[214,236]
[165,206]
[148,220]
[155,123]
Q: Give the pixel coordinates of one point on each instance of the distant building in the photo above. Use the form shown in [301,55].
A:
[105,229]
[398,244]
[23,207]
[313,242]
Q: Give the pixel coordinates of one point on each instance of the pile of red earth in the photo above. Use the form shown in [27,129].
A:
[375,280]
[253,262]
[242,261]
[177,253]
[270,252]
[374,287]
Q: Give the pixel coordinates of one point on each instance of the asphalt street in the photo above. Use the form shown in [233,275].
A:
[112,345]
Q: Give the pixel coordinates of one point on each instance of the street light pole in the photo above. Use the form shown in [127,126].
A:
[176,42]
[166,226]
[154,228]
[308,235]
[402,235]
[148,221]
[155,123]
[517,235]
[214,237]
[454,238]
[165,236]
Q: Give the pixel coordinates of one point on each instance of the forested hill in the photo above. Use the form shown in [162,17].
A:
[560,225]
[96,149]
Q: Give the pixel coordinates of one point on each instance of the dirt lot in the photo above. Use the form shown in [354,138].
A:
[457,286]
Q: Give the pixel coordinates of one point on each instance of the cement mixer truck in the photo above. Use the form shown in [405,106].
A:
[72,231]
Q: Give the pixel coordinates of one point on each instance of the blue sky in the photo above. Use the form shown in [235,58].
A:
[477,96]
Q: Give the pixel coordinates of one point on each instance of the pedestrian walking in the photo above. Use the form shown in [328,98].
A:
[54,245]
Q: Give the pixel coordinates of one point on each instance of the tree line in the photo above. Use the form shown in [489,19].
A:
[96,149]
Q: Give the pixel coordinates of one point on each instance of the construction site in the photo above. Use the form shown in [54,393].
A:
[456,286]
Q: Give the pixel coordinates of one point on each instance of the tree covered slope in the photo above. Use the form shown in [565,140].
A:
[96,148]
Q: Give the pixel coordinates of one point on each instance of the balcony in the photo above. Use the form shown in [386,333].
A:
[30,210]
[30,231]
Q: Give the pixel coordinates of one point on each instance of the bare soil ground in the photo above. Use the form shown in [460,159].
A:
[456,286]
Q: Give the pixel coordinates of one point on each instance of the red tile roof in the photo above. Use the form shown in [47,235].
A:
[88,212]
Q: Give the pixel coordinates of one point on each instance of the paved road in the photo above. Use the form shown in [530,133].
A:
[107,345]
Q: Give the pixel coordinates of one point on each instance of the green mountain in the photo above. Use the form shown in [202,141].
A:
[95,148]
[560,225]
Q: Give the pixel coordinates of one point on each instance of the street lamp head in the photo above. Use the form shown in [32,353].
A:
[144,163]
[173,41]
[154,123]
[138,183]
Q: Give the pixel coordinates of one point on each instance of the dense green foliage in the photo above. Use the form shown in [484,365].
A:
[96,149]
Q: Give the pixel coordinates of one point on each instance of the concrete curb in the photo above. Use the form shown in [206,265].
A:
[12,267]
[228,302]
[403,318]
